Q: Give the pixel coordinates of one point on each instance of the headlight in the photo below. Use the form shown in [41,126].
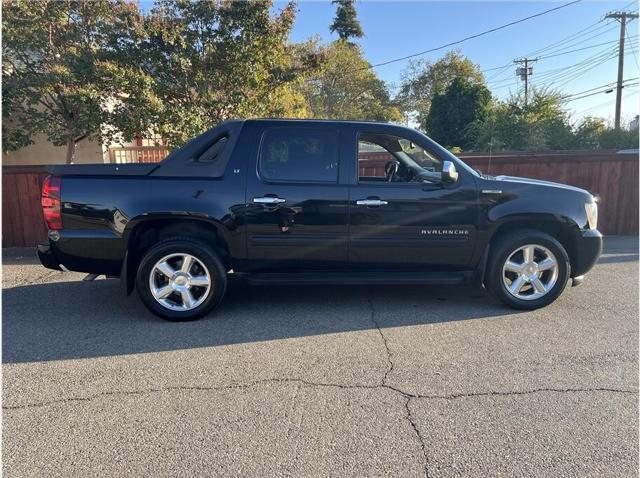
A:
[591,208]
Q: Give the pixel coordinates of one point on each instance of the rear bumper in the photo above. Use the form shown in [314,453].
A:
[94,252]
[47,257]
[588,248]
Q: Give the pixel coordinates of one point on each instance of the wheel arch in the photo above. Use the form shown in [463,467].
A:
[561,229]
[145,232]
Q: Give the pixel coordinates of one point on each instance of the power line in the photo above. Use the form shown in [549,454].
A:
[508,65]
[598,93]
[559,73]
[550,77]
[576,41]
[606,103]
[582,71]
[573,75]
[594,108]
[586,94]
[621,17]
[556,52]
[577,49]
[471,37]
[607,85]
[563,73]
[633,50]
[580,33]
[560,47]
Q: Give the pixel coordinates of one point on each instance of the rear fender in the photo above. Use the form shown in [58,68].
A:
[165,227]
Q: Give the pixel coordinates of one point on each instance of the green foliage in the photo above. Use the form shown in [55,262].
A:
[510,125]
[423,80]
[462,104]
[618,139]
[214,60]
[344,87]
[101,70]
[62,68]
[544,125]
[589,131]
[346,23]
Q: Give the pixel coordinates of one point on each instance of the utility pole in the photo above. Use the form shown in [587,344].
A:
[622,18]
[525,72]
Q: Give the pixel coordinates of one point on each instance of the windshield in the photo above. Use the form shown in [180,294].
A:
[411,153]
[448,155]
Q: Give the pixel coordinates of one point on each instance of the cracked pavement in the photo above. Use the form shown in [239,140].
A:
[321,381]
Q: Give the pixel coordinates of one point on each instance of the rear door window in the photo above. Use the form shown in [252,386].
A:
[294,154]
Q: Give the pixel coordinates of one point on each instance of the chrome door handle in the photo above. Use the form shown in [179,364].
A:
[269,200]
[371,202]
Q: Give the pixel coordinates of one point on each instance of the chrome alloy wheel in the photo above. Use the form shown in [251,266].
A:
[180,282]
[530,272]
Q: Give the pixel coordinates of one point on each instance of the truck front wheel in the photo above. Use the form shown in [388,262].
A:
[527,269]
[181,279]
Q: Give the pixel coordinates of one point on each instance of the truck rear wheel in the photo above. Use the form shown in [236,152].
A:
[527,269]
[181,279]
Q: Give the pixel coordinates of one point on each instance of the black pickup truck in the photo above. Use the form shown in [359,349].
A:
[314,202]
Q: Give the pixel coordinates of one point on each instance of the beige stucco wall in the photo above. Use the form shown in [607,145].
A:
[43,152]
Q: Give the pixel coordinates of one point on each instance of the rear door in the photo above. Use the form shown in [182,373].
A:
[398,222]
[296,211]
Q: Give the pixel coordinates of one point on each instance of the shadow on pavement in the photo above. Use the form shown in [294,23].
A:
[70,320]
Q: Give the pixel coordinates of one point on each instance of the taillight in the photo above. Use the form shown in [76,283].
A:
[51,208]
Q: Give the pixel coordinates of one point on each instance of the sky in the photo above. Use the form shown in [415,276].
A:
[395,29]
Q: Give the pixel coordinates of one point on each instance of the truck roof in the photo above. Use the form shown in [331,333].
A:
[318,120]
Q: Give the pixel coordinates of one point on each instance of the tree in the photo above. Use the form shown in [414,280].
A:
[215,60]
[345,87]
[542,124]
[451,113]
[61,70]
[423,80]
[613,138]
[589,131]
[346,23]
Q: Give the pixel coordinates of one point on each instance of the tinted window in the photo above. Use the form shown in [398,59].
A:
[299,154]
[214,151]
[376,152]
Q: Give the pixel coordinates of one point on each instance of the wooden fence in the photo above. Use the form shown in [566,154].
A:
[372,164]
[610,175]
[138,154]
[22,221]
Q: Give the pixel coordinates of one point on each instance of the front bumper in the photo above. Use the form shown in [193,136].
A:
[47,257]
[588,248]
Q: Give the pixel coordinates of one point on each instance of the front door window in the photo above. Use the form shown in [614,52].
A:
[384,158]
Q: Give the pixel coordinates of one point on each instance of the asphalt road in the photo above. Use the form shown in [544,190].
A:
[321,381]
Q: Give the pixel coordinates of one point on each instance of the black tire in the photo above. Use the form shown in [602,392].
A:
[203,253]
[502,249]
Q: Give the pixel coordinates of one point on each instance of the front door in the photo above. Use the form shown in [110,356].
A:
[296,211]
[402,215]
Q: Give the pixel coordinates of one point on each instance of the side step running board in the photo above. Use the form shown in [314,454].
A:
[355,278]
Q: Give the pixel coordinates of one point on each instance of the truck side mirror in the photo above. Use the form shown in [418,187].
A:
[449,172]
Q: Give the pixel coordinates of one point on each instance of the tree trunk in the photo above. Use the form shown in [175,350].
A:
[71,150]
